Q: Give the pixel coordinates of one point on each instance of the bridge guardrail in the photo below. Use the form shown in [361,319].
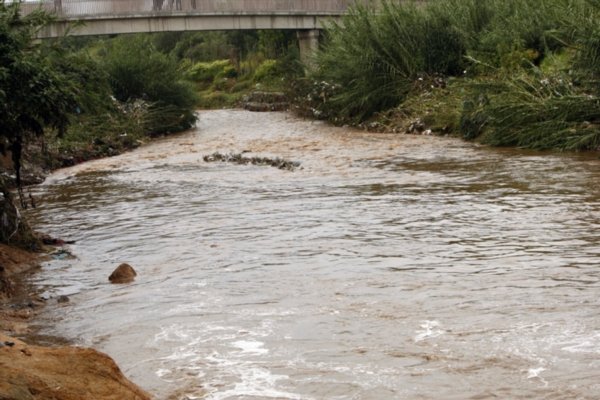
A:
[89,8]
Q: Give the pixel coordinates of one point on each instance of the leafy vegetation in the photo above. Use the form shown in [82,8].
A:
[375,57]
[506,72]
[226,66]
[34,97]
[137,71]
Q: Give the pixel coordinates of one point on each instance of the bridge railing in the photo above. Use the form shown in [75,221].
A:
[90,8]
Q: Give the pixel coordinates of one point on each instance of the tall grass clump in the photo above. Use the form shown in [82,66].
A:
[546,107]
[535,112]
[508,33]
[373,57]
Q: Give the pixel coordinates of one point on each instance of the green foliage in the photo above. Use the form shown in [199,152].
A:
[267,70]
[276,44]
[89,80]
[529,70]
[511,33]
[198,46]
[137,71]
[100,134]
[555,106]
[587,41]
[374,57]
[541,112]
[218,99]
[34,95]
[206,72]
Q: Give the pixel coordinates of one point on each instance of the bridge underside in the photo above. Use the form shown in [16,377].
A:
[172,23]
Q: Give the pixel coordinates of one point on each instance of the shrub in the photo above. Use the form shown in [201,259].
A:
[138,71]
[207,71]
[266,71]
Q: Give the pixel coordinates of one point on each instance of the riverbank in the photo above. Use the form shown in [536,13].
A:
[17,304]
[61,373]
[57,372]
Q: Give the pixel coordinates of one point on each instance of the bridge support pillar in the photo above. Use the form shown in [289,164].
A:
[308,41]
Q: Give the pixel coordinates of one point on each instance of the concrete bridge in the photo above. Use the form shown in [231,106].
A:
[101,17]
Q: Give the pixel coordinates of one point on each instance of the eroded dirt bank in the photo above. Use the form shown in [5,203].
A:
[62,373]
[31,372]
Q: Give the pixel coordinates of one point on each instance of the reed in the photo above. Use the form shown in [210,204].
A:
[527,71]
[374,57]
[548,113]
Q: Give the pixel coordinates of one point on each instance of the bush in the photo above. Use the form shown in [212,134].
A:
[206,72]
[138,71]
[267,70]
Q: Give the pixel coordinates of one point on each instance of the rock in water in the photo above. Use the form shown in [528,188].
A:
[123,274]
[63,299]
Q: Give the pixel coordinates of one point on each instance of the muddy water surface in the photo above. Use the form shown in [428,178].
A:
[388,267]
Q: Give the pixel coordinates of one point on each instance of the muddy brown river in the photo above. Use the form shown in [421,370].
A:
[387,267]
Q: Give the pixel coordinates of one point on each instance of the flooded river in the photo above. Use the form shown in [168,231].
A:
[386,267]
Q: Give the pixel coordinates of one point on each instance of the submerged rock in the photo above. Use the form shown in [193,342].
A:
[62,299]
[123,274]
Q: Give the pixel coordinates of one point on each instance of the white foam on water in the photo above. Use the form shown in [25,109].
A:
[251,347]
[582,344]
[199,284]
[171,333]
[430,330]
[162,372]
[534,373]
[187,309]
[257,382]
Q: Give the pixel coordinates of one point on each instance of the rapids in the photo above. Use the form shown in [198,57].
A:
[385,267]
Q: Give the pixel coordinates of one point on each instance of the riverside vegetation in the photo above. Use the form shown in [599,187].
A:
[504,72]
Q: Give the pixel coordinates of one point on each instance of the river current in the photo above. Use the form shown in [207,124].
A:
[386,267]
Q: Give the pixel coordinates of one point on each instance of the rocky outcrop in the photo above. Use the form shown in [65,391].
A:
[62,373]
[123,274]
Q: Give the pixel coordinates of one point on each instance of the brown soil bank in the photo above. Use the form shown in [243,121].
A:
[44,373]
[62,373]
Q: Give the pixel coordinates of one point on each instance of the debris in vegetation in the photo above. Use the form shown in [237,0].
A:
[279,163]
[265,101]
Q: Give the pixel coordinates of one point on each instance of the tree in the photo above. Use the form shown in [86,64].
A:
[34,95]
